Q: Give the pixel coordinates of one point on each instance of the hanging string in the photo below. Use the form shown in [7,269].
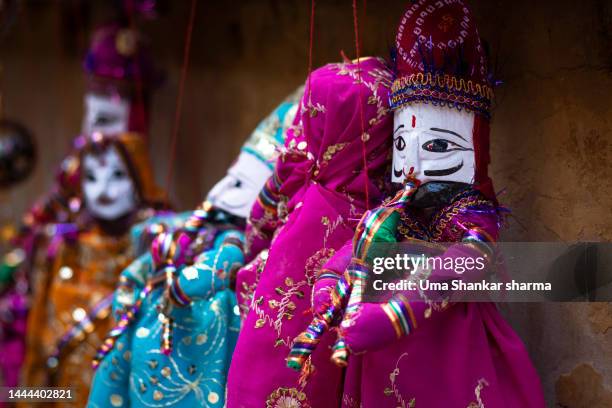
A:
[179,98]
[311,38]
[310,48]
[364,136]
[310,45]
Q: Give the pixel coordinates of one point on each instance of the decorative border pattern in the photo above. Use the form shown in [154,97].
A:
[443,90]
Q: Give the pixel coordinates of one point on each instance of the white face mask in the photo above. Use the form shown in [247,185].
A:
[107,186]
[238,190]
[106,114]
[434,142]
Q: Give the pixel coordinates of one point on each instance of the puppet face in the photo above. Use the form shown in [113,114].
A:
[237,191]
[106,114]
[108,188]
[433,143]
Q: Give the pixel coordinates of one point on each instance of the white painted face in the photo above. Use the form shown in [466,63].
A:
[108,188]
[434,142]
[238,190]
[106,114]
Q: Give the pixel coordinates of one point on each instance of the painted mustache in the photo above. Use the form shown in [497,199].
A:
[434,173]
[444,172]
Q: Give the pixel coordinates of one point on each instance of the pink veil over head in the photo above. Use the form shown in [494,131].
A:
[324,188]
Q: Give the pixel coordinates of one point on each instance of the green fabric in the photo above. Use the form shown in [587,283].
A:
[387,230]
[6,273]
[384,234]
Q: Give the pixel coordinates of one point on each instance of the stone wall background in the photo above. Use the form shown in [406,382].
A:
[551,134]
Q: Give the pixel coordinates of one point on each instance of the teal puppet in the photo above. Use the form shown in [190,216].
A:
[177,316]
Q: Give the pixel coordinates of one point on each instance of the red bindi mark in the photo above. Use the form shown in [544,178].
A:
[413,121]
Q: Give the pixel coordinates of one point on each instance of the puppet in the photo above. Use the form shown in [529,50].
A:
[416,348]
[325,179]
[177,314]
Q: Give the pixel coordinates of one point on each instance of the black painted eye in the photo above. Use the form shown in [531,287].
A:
[400,143]
[89,176]
[238,184]
[119,174]
[436,145]
[443,145]
[105,119]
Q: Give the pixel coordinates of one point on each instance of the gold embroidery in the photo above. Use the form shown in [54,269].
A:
[447,81]
[393,390]
[350,402]
[287,398]
[315,262]
[313,109]
[331,151]
[478,403]
[275,308]
[381,77]
[282,310]
[247,291]
[441,220]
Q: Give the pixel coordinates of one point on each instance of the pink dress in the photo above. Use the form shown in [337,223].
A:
[326,190]
[418,353]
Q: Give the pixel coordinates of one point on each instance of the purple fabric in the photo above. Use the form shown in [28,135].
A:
[442,364]
[12,330]
[267,216]
[324,183]
[119,53]
[460,354]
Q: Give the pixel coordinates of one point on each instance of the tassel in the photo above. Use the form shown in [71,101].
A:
[306,372]
[340,354]
[305,343]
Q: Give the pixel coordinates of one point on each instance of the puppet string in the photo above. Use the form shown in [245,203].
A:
[310,48]
[361,117]
[179,99]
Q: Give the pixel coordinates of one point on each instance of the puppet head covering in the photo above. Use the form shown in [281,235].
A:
[441,60]
[269,136]
[321,177]
[326,142]
[323,146]
[120,55]
[119,63]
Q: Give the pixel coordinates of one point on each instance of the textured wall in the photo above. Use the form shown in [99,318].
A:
[551,135]
[552,151]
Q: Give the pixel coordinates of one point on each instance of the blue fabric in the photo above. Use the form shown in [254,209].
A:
[268,134]
[136,374]
[140,233]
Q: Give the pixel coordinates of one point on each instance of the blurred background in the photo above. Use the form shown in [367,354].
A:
[551,144]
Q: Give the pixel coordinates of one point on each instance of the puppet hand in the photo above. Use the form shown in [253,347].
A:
[373,326]
[329,296]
